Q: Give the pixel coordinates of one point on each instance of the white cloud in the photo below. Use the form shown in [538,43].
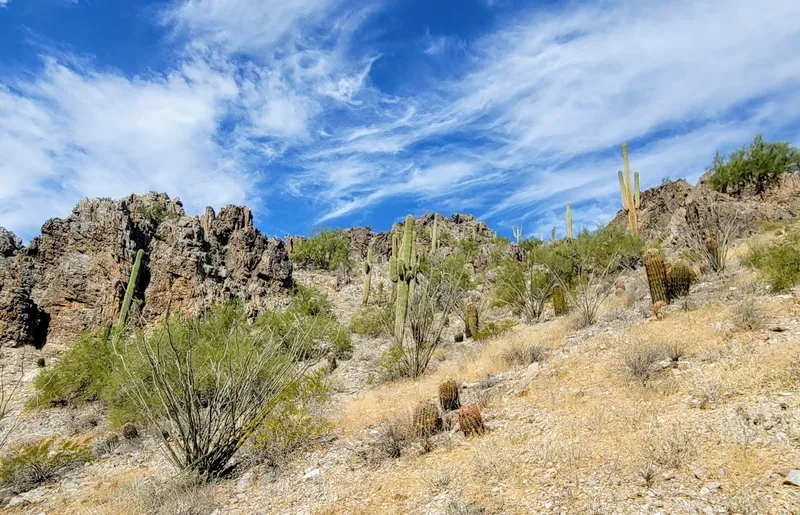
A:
[3,3]
[551,92]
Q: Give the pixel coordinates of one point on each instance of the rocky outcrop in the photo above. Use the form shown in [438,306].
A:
[669,209]
[74,274]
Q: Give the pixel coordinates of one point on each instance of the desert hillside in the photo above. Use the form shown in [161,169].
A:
[154,362]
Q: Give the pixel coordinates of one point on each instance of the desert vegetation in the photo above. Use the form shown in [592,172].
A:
[440,368]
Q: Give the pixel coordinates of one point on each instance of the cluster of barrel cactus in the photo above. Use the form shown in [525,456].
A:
[666,283]
[426,419]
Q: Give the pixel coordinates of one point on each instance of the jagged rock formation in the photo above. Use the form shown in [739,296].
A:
[666,210]
[74,274]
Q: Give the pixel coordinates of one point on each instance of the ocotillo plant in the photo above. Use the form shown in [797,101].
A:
[130,290]
[630,199]
[569,222]
[656,276]
[517,231]
[407,269]
[368,272]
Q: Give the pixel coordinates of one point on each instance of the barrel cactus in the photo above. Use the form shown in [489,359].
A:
[448,396]
[656,276]
[680,277]
[470,420]
[426,419]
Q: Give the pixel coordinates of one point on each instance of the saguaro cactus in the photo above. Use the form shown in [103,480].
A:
[130,290]
[553,234]
[656,276]
[630,199]
[569,222]
[407,267]
[367,267]
[434,235]
[517,231]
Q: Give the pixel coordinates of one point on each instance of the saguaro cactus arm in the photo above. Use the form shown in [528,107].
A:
[569,222]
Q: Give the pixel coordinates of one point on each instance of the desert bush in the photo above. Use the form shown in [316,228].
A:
[641,361]
[156,214]
[524,354]
[12,372]
[757,165]
[525,287]
[709,238]
[779,263]
[326,249]
[294,422]
[81,376]
[394,436]
[183,495]
[494,330]
[673,446]
[207,384]
[310,301]
[748,315]
[369,321]
[42,462]
[321,333]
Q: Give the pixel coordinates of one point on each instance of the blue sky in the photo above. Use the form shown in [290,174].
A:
[340,113]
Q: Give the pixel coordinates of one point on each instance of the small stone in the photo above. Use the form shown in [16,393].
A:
[312,473]
[603,346]
[768,475]
[713,485]
[792,478]
[699,473]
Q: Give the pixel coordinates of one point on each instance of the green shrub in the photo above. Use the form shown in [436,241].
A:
[310,301]
[758,165]
[325,249]
[81,376]
[156,214]
[321,333]
[294,422]
[778,263]
[493,330]
[371,321]
[40,463]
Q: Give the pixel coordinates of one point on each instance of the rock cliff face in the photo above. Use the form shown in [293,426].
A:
[668,209]
[74,274]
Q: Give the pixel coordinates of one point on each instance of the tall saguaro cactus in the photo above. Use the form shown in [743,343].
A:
[630,198]
[517,231]
[553,234]
[434,235]
[130,290]
[569,222]
[406,266]
[367,267]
